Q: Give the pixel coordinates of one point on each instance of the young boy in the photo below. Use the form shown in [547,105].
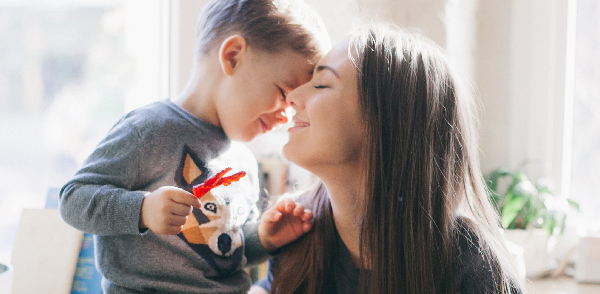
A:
[133,192]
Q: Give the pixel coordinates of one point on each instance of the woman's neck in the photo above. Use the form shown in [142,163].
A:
[344,190]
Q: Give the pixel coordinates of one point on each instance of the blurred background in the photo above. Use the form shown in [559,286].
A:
[70,68]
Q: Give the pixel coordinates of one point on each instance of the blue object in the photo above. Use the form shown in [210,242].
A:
[87,278]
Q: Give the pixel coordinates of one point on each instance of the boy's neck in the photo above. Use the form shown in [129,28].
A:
[198,95]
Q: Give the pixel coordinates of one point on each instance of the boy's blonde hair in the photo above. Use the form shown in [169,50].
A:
[268,25]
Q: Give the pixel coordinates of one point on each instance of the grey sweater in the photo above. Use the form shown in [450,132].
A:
[163,145]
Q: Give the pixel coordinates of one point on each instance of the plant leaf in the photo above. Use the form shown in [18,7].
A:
[550,224]
[495,176]
[574,204]
[511,209]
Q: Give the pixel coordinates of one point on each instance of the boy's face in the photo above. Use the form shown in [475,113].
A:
[252,100]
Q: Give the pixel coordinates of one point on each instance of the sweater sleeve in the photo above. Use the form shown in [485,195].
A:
[254,251]
[101,198]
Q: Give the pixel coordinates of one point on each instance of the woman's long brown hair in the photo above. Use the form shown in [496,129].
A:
[422,169]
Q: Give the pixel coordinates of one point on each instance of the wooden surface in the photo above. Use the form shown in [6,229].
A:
[45,253]
[560,285]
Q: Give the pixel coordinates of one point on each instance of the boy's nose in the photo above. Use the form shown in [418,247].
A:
[276,119]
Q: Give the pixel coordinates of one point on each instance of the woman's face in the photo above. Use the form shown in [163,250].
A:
[328,128]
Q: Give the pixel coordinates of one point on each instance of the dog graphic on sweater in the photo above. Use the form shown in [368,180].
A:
[214,231]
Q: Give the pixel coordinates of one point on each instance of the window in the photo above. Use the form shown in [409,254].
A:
[68,70]
[585,176]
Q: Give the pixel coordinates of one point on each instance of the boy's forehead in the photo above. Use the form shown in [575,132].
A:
[302,76]
[290,68]
[299,70]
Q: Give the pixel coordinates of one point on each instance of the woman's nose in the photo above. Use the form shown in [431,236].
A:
[294,98]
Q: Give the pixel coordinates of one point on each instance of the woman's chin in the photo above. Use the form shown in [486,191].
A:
[289,152]
[286,152]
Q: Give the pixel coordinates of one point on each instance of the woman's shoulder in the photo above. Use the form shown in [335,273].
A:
[311,198]
[477,268]
[471,257]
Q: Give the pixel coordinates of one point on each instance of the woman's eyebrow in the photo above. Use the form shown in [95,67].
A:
[323,67]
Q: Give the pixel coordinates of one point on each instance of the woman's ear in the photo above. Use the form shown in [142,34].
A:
[231,52]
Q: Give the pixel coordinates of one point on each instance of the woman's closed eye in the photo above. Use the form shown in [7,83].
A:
[320,87]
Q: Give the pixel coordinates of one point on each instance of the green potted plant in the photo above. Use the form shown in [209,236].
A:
[523,205]
[530,214]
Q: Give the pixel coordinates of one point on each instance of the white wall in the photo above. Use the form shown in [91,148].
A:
[184,14]
[522,77]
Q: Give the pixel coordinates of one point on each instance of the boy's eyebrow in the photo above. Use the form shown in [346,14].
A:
[323,67]
[295,83]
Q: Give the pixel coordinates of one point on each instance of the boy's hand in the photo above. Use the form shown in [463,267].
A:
[283,223]
[165,210]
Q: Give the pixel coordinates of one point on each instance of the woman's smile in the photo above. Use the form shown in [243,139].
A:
[298,124]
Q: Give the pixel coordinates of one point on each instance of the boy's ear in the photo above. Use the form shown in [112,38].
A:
[231,51]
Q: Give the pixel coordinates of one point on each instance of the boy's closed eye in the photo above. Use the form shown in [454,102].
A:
[282,93]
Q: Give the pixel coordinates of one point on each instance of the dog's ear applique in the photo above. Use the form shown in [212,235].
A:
[191,170]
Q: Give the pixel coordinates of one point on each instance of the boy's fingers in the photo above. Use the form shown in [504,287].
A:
[306,227]
[169,230]
[272,215]
[280,206]
[186,198]
[174,229]
[177,220]
[285,205]
[307,216]
[289,206]
[181,210]
[299,210]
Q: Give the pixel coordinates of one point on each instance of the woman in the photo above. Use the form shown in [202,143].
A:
[389,130]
